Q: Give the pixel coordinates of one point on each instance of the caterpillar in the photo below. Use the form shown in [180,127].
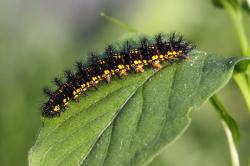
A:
[115,62]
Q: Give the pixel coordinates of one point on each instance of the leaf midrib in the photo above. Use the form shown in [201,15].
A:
[132,94]
[140,86]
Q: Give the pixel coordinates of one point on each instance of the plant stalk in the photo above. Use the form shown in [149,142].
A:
[242,80]
[221,109]
[118,23]
[233,150]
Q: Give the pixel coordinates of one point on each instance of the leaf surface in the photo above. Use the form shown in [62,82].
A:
[129,121]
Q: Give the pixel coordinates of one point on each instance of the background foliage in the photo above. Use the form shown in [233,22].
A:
[38,39]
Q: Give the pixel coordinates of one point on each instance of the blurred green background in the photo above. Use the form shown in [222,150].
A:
[39,39]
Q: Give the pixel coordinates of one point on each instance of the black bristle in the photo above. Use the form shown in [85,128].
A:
[110,50]
[93,58]
[47,91]
[80,67]
[160,44]
[144,43]
[69,75]
[159,39]
[126,47]
[172,36]
[144,48]
[179,39]
[58,82]
[79,64]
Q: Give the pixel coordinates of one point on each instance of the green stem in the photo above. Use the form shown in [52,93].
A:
[119,23]
[233,150]
[239,27]
[242,83]
[221,109]
[240,78]
[237,19]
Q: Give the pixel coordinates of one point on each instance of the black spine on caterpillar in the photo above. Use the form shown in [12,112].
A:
[100,67]
[48,92]
[73,83]
[160,44]
[110,57]
[144,49]
[69,75]
[126,54]
[116,62]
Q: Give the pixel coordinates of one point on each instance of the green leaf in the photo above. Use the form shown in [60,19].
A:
[233,4]
[242,67]
[221,3]
[130,121]
[246,6]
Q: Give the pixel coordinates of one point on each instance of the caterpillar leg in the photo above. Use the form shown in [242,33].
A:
[123,72]
[139,68]
[94,85]
[107,78]
[183,56]
[156,64]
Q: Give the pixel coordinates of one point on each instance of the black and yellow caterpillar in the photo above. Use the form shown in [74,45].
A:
[131,58]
